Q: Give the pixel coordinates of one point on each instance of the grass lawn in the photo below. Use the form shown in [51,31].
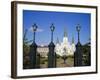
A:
[59,62]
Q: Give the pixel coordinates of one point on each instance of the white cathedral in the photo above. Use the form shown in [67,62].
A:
[65,47]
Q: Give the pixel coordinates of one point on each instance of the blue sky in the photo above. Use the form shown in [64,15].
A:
[61,21]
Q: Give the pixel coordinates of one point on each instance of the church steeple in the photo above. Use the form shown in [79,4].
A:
[65,32]
[73,39]
[57,41]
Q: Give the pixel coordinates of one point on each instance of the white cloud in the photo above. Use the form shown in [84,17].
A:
[38,29]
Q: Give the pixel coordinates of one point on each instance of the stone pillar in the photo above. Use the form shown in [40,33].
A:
[78,55]
[51,56]
[32,55]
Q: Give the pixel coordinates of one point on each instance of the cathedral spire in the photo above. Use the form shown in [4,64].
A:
[65,32]
[73,39]
[57,40]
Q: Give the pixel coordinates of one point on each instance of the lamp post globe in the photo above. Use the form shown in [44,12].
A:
[34,27]
[52,30]
[78,27]
[34,30]
[52,27]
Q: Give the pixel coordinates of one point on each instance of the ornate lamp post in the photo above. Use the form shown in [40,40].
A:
[51,54]
[33,49]
[78,53]
[78,27]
